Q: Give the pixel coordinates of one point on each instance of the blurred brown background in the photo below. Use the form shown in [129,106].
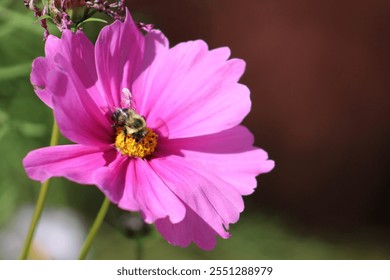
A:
[318,72]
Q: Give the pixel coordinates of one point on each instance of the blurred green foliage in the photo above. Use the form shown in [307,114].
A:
[22,118]
[25,124]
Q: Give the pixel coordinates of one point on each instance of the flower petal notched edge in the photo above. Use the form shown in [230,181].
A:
[74,162]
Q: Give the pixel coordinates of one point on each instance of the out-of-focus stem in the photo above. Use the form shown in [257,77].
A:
[94,229]
[40,202]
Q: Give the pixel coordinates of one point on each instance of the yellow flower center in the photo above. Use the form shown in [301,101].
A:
[128,145]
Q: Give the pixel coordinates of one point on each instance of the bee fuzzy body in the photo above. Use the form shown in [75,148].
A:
[130,122]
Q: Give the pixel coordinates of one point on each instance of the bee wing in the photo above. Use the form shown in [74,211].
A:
[127,100]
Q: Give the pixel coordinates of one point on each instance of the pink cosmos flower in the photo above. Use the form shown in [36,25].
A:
[189,172]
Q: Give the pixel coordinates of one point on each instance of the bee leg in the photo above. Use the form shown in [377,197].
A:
[137,136]
[115,127]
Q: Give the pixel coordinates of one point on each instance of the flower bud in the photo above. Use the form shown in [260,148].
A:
[70,14]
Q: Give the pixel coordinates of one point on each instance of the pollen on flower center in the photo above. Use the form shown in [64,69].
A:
[128,145]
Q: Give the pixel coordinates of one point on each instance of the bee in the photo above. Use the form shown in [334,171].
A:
[127,119]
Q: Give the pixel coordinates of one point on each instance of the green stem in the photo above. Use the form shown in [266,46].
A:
[40,202]
[139,251]
[94,229]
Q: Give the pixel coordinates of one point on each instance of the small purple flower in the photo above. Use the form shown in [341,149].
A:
[157,128]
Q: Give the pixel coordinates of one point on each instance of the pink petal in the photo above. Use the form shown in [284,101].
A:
[53,46]
[78,50]
[134,186]
[41,68]
[112,180]
[213,200]
[38,77]
[77,114]
[229,154]
[197,85]
[78,53]
[191,229]
[74,162]
[78,62]
[119,50]
[156,49]
[155,199]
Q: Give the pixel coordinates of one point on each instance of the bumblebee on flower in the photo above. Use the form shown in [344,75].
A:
[132,138]
[179,155]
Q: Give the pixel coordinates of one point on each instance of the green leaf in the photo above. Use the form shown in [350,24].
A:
[91,20]
[28,129]
[44,17]
[15,71]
